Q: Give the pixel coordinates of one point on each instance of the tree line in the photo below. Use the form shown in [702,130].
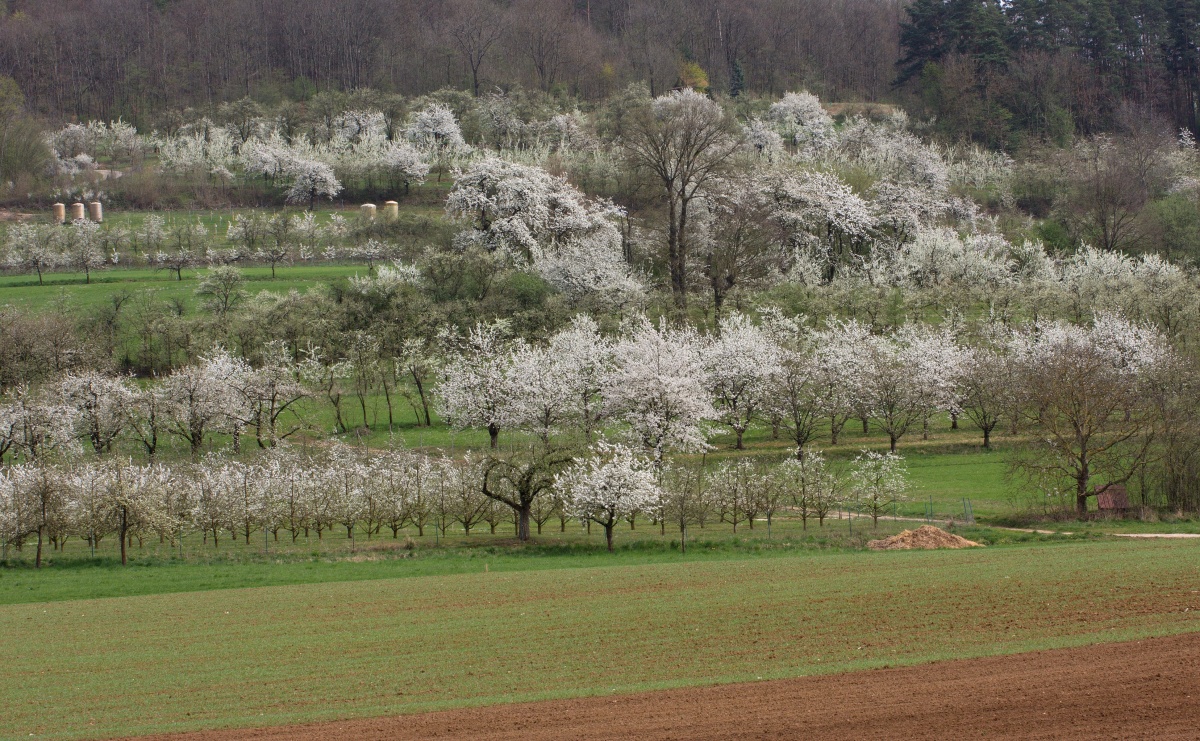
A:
[1103,403]
[652,185]
[997,71]
[991,71]
[307,495]
[142,59]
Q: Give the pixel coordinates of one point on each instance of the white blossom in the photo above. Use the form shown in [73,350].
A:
[610,485]
[475,388]
[436,129]
[741,365]
[657,387]
[311,180]
[880,481]
[801,118]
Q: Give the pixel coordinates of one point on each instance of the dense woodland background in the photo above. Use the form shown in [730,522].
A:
[993,72]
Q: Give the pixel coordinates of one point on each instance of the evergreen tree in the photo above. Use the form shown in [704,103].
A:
[737,79]
[937,28]
[982,31]
[926,36]
[1182,59]
[1101,36]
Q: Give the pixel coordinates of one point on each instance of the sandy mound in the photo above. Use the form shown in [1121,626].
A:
[925,537]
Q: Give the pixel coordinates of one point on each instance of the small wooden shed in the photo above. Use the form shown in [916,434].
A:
[1112,498]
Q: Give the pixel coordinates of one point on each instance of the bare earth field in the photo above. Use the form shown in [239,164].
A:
[1140,689]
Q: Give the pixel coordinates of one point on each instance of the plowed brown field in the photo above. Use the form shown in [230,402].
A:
[1143,689]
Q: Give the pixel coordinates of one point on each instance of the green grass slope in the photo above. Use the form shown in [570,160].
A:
[95,668]
[74,574]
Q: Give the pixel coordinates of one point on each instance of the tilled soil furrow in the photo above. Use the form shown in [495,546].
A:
[1136,690]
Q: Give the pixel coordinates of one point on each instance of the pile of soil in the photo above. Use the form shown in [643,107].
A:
[925,537]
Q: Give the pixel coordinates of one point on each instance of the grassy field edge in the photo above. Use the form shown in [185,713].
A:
[277,655]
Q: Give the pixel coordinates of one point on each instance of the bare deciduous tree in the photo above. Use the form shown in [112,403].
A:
[684,140]
[475,27]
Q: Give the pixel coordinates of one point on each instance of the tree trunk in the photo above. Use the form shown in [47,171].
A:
[523,515]
[125,529]
[987,438]
[1081,497]
[424,404]
[676,251]
[1081,483]
[608,536]
[494,436]
[892,443]
[387,395]
[740,445]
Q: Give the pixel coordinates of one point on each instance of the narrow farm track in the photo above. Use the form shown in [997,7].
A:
[1140,689]
[938,523]
[1176,536]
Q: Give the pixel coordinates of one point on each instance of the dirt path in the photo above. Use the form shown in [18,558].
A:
[1157,535]
[1143,689]
[944,524]
[938,523]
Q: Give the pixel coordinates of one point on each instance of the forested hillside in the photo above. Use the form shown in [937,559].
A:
[138,58]
[987,70]
[994,70]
